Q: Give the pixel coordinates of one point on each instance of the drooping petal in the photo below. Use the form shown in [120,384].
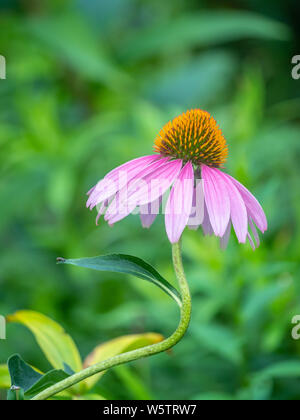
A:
[117,179]
[251,241]
[119,208]
[157,183]
[148,212]
[254,231]
[191,222]
[238,212]
[254,209]
[197,212]
[102,209]
[206,226]
[225,238]
[179,204]
[91,190]
[143,190]
[216,199]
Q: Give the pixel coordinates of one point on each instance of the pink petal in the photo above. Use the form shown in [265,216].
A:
[254,209]
[254,231]
[123,205]
[216,199]
[225,238]
[148,212]
[157,183]
[117,178]
[197,213]
[206,226]
[91,190]
[143,190]
[238,210]
[102,209]
[179,204]
[119,208]
[251,241]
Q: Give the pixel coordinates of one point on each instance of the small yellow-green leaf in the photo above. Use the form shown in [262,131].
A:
[58,347]
[117,346]
[4,377]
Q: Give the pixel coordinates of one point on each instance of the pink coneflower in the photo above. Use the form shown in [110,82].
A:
[190,147]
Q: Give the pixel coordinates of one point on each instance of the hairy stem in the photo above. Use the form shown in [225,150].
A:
[185,314]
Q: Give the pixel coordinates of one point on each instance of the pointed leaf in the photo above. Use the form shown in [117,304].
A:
[50,378]
[22,375]
[128,264]
[26,379]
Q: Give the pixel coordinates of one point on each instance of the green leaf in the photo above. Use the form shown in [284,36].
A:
[68,370]
[50,378]
[128,264]
[22,375]
[27,379]
[117,346]
[201,29]
[58,347]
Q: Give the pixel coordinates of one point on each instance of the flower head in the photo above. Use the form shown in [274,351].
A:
[189,149]
[193,136]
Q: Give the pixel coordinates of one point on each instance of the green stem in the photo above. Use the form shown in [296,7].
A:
[185,315]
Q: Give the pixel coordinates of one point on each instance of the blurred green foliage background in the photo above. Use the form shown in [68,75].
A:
[89,84]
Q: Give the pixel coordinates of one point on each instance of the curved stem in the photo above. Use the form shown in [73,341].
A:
[185,314]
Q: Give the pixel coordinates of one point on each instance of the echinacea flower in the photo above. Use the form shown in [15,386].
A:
[188,148]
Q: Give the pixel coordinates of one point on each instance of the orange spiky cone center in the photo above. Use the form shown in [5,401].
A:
[193,136]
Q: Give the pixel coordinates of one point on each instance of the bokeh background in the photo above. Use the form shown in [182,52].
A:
[89,84]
